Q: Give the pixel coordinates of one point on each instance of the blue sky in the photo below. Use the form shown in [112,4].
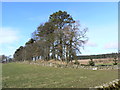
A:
[20,19]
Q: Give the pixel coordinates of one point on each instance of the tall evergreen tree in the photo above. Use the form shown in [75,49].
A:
[60,38]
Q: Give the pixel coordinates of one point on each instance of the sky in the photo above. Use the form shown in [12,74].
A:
[20,19]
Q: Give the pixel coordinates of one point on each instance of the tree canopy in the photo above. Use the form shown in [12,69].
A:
[59,38]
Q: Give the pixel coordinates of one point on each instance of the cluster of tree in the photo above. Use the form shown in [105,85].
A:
[59,38]
[4,58]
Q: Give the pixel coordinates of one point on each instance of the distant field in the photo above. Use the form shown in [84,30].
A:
[33,76]
[105,61]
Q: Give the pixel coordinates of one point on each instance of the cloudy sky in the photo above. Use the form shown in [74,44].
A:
[20,19]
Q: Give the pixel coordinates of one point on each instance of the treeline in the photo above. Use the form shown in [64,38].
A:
[4,58]
[59,38]
[111,55]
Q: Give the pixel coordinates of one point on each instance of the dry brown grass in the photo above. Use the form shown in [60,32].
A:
[51,61]
[84,61]
[97,61]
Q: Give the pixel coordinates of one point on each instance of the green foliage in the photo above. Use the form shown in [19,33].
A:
[91,63]
[84,64]
[61,18]
[30,41]
[76,62]
[115,61]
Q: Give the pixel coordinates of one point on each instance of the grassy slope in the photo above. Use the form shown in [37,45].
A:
[25,75]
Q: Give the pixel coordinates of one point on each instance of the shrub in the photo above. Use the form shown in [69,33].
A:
[84,65]
[91,63]
[76,62]
[115,61]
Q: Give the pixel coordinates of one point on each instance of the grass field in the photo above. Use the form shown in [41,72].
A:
[17,75]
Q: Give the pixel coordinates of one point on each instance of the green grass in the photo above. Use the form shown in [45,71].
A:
[33,76]
[105,64]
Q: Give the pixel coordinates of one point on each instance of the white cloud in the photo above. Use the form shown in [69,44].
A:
[111,45]
[91,44]
[8,35]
